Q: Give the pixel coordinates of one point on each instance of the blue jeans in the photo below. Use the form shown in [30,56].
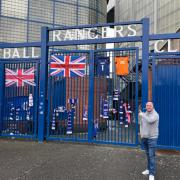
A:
[150,148]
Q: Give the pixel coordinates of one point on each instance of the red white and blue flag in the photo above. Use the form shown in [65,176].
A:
[19,77]
[67,66]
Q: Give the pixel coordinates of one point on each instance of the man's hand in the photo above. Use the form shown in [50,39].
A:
[140,113]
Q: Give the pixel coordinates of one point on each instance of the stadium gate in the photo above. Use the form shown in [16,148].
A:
[100,94]
[19,92]
[83,103]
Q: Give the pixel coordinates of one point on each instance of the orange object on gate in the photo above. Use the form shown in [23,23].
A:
[122,65]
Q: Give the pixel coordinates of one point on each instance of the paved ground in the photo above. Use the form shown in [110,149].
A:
[26,160]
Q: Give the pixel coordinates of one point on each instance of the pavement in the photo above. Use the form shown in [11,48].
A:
[29,160]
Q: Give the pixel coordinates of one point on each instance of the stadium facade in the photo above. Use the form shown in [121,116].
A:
[164,15]
[21,20]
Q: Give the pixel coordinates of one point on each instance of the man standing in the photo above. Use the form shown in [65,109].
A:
[149,122]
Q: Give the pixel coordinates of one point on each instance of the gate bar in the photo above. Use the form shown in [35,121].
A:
[164,36]
[95,41]
[164,53]
[2,74]
[137,96]
[165,57]
[28,60]
[145,60]
[43,84]
[91,96]
[20,45]
[117,49]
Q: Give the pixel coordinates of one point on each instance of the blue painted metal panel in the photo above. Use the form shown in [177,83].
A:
[137,96]
[11,60]
[20,45]
[169,57]
[117,49]
[164,54]
[166,88]
[153,79]
[1,94]
[91,97]
[145,61]
[36,99]
[164,36]
[65,51]
[43,84]
[19,136]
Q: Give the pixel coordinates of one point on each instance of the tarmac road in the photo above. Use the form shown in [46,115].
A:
[28,160]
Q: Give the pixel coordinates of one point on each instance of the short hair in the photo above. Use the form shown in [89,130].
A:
[150,102]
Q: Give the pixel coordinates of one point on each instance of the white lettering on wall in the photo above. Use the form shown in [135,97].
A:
[132,30]
[68,35]
[6,53]
[92,33]
[33,53]
[15,53]
[156,46]
[104,31]
[56,35]
[79,34]
[118,31]
[19,53]
[169,47]
[162,50]
[24,53]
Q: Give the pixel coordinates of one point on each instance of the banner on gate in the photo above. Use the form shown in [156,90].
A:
[19,77]
[102,66]
[67,66]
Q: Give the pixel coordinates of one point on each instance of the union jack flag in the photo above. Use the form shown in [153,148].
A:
[20,77]
[67,66]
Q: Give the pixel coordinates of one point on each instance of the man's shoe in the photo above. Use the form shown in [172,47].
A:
[146,172]
[151,177]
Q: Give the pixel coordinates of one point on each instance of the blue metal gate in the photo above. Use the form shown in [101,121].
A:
[166,95]
[70,115]
[82,108]
[116,98]
[19,96]
[68,97]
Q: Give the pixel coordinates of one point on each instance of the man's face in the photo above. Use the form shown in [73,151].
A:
[149,106]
